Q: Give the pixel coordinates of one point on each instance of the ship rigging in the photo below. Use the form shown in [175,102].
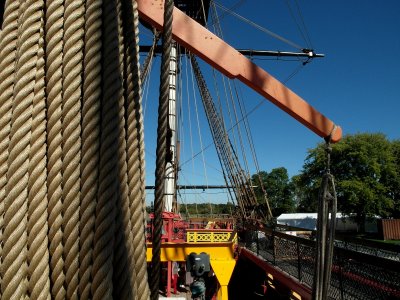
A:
[72,160]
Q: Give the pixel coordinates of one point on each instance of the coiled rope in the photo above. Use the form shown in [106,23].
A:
[161,151]
[71,151]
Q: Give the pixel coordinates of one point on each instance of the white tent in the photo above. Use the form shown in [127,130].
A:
[309,221]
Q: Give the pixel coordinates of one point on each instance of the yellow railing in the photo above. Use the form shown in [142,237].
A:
[210,236]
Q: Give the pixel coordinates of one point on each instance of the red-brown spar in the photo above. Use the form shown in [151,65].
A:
[233,64]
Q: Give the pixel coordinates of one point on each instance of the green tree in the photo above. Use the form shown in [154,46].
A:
[206,208]
[396,180]
[279,190]
[365,172]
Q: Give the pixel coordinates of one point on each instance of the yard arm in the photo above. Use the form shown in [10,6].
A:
[196,38]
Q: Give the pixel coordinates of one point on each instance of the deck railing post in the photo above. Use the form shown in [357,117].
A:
[340,262]
[273,248]
[298,260]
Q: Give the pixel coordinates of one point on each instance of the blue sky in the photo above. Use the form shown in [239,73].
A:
[356,85]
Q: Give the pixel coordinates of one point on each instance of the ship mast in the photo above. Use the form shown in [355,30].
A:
[170,202]
[199,12]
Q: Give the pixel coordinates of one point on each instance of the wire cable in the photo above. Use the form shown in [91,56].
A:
[259,27]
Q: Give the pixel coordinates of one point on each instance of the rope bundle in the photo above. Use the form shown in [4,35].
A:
[326,225]
[71,151]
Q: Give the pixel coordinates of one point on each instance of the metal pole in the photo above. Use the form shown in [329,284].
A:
[170,174]
[308,53]
[298,261]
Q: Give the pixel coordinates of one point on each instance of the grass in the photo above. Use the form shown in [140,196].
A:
[393,242]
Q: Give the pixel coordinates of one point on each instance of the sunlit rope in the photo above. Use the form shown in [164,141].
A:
[14,268]
[71,132]
[135,148]
[189,113]
[253,153]
[161,151]
[69,91]
[38,253]
[199,127]
[54,50]
[8,55]
[91,108]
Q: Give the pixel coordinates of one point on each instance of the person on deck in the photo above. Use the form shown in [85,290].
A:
[175,271]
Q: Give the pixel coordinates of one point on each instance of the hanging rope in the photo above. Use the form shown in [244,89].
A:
[161,150]
[8,44]
[54,53]
[71,141]
[228,158]
[327,203]
[147,62]
[14,255]
[108,187]
[135,145]
[38,254]
[71,151]
[91,108]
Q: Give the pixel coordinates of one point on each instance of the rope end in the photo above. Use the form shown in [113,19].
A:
[335,135]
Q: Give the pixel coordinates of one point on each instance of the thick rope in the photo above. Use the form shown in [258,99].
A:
[135,145]
[124,276]
[8,45]
[14,267]
[161,150]
[72,85]
[90,142]
[54,53]
[38,254]
[103,253]
[71,196]
[147,62]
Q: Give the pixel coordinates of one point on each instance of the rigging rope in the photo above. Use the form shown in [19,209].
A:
[161,152]
[229,161]
[14,269]
[54,52]
[71,151]
[259,27]
[253,152]
[147,62]
[135,146]
[38,254]
[304,34]
[8,54]
[327,207]
[91,108]
[71,129]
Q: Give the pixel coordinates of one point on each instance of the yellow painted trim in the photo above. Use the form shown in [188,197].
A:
[179,251]
[212,236]
[223,269]
[295,296]
[221,258]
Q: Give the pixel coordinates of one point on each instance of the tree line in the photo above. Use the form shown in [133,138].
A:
[366,168]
